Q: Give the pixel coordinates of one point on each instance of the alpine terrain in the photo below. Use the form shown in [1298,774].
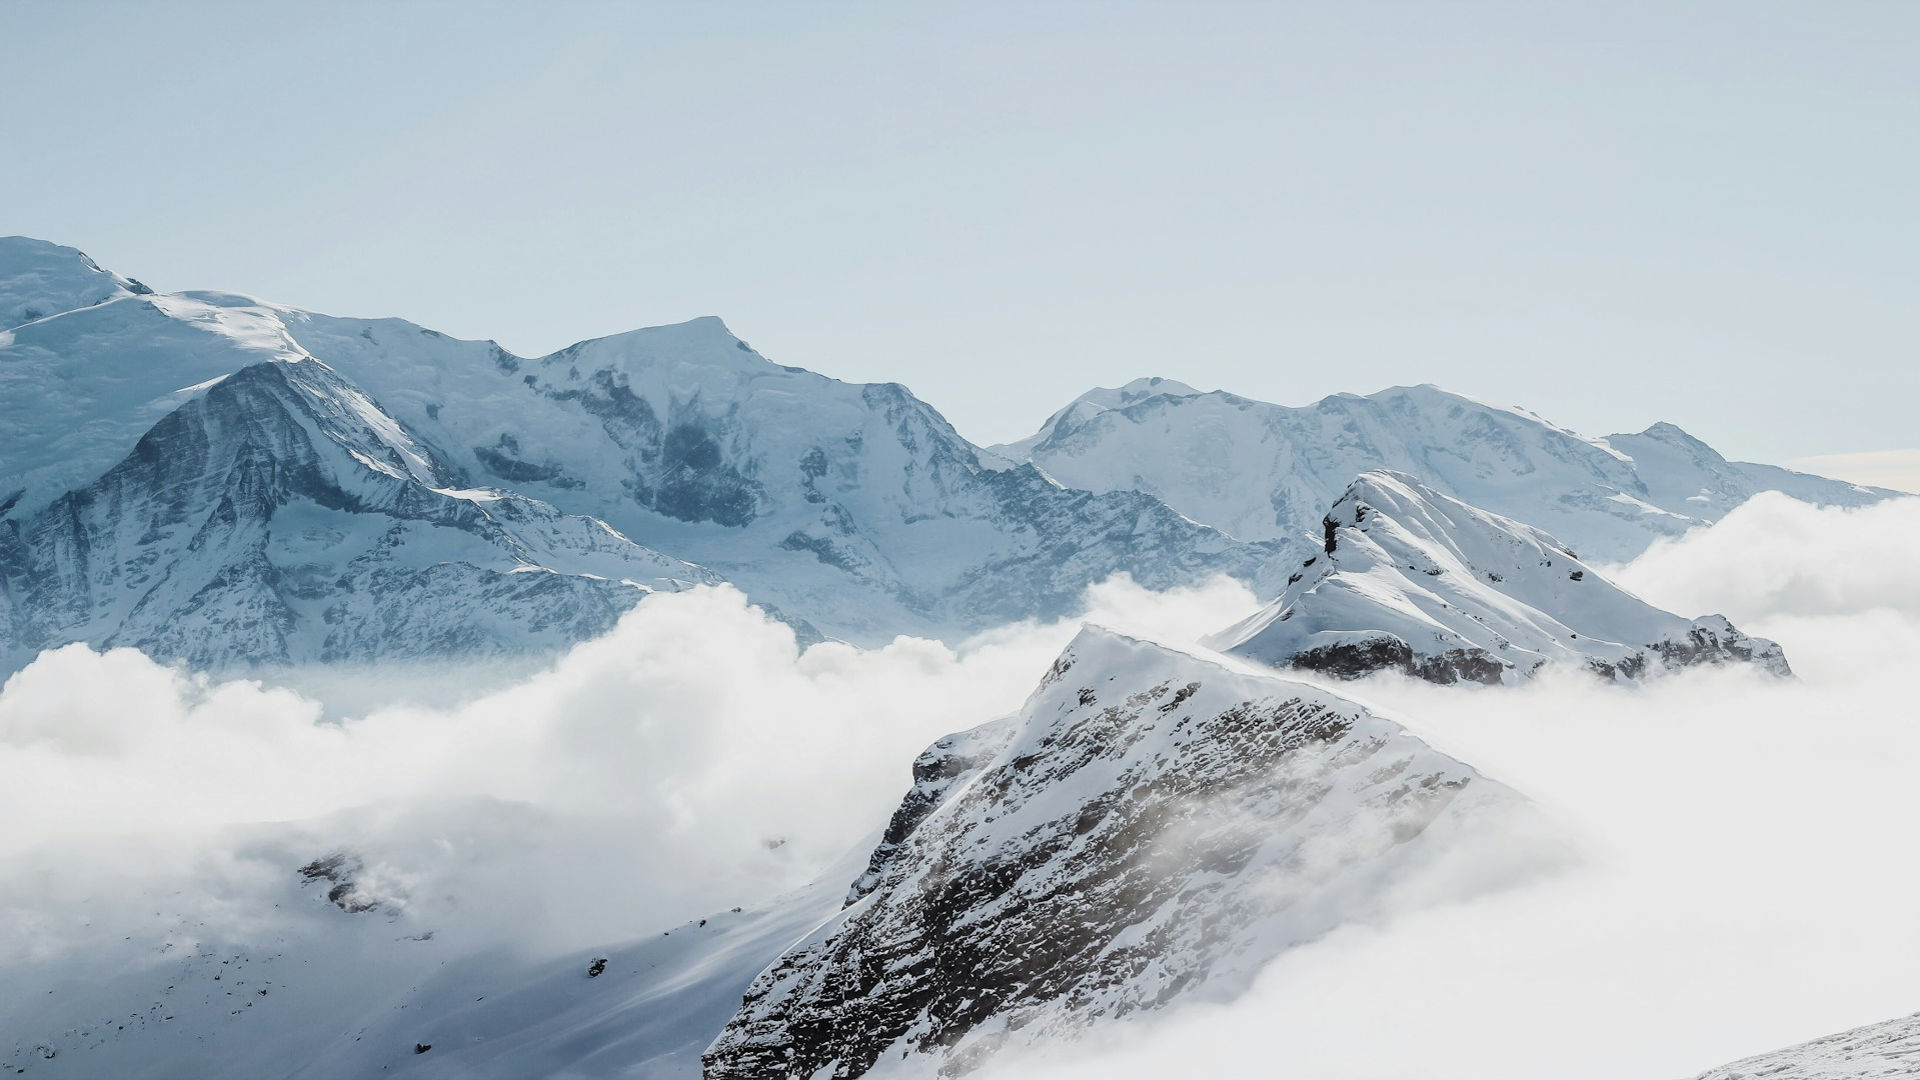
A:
[1410,580]
[1260,471]
[1149,827]
[236,483]
[1881,1051]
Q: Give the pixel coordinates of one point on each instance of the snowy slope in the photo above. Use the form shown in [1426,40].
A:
[1263,471]
[855,508]
[1411,580]
[38,279]
[1091,404]
[282,517]
[1149,827]
[1874,1052]
[260,975]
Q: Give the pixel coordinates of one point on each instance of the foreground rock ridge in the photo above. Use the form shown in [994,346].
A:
[1410,580]
[1149,827]
[1881,1051]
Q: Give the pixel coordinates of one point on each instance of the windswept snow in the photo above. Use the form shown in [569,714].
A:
[1260,471]
[1409,579]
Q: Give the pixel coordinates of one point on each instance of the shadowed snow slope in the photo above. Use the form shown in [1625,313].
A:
[1875,1052]
[1261,471]
[348,987]
[1411,580]
[281,517]
[1149,826]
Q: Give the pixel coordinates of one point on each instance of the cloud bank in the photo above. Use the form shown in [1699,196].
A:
[692,759]
[1747,881]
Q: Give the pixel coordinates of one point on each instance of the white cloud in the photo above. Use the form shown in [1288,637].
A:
[1749,882]
[1897,469]
[692,759]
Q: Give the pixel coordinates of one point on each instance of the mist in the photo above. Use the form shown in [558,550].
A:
[1737,878]
[1744,880]
[691,760]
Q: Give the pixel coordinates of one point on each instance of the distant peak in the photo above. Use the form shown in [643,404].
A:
[39,279]
[706,335]
[1138,390]
[1671,433]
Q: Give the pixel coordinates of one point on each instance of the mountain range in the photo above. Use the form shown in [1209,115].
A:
[1260,471]
[244,486]
[240,484]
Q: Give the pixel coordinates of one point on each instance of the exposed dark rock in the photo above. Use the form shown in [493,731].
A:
[1089,859]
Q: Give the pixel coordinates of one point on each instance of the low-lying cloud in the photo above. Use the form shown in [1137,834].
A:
[692,759]
[1747,882]
[1746,879]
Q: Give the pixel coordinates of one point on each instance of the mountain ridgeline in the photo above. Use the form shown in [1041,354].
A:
[1413,581]
[239,484]
[244,486]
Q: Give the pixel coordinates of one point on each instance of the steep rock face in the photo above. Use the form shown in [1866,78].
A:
[1261,471]
[1149,826]
[282,517]
[1875,1052]
[1411,580]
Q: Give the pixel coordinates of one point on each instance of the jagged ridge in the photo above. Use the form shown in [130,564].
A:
[1411,580]
[1150,826]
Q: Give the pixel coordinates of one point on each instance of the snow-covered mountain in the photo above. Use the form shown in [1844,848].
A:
[855,508]
[281,517]
[1883,1051]
[38,279]
[1411,580]
[1260,471]
[332,968]
[1149,827]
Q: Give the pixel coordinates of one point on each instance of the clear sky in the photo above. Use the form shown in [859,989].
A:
[1611,213]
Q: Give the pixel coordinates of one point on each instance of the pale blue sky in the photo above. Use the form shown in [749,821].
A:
[1612,213]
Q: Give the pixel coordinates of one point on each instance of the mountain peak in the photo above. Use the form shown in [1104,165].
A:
[1117,844]
[1676,435]
[1416,581]
[1138,390]
[39,278]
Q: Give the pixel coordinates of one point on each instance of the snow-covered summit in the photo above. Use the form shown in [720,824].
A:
[281,516]
[39,279]
[1412,580]
[1149,827]
[855,508]
[1089,405]
[1257,471]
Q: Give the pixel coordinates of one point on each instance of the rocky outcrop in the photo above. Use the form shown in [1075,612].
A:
[1882,1051]
[1148,828]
